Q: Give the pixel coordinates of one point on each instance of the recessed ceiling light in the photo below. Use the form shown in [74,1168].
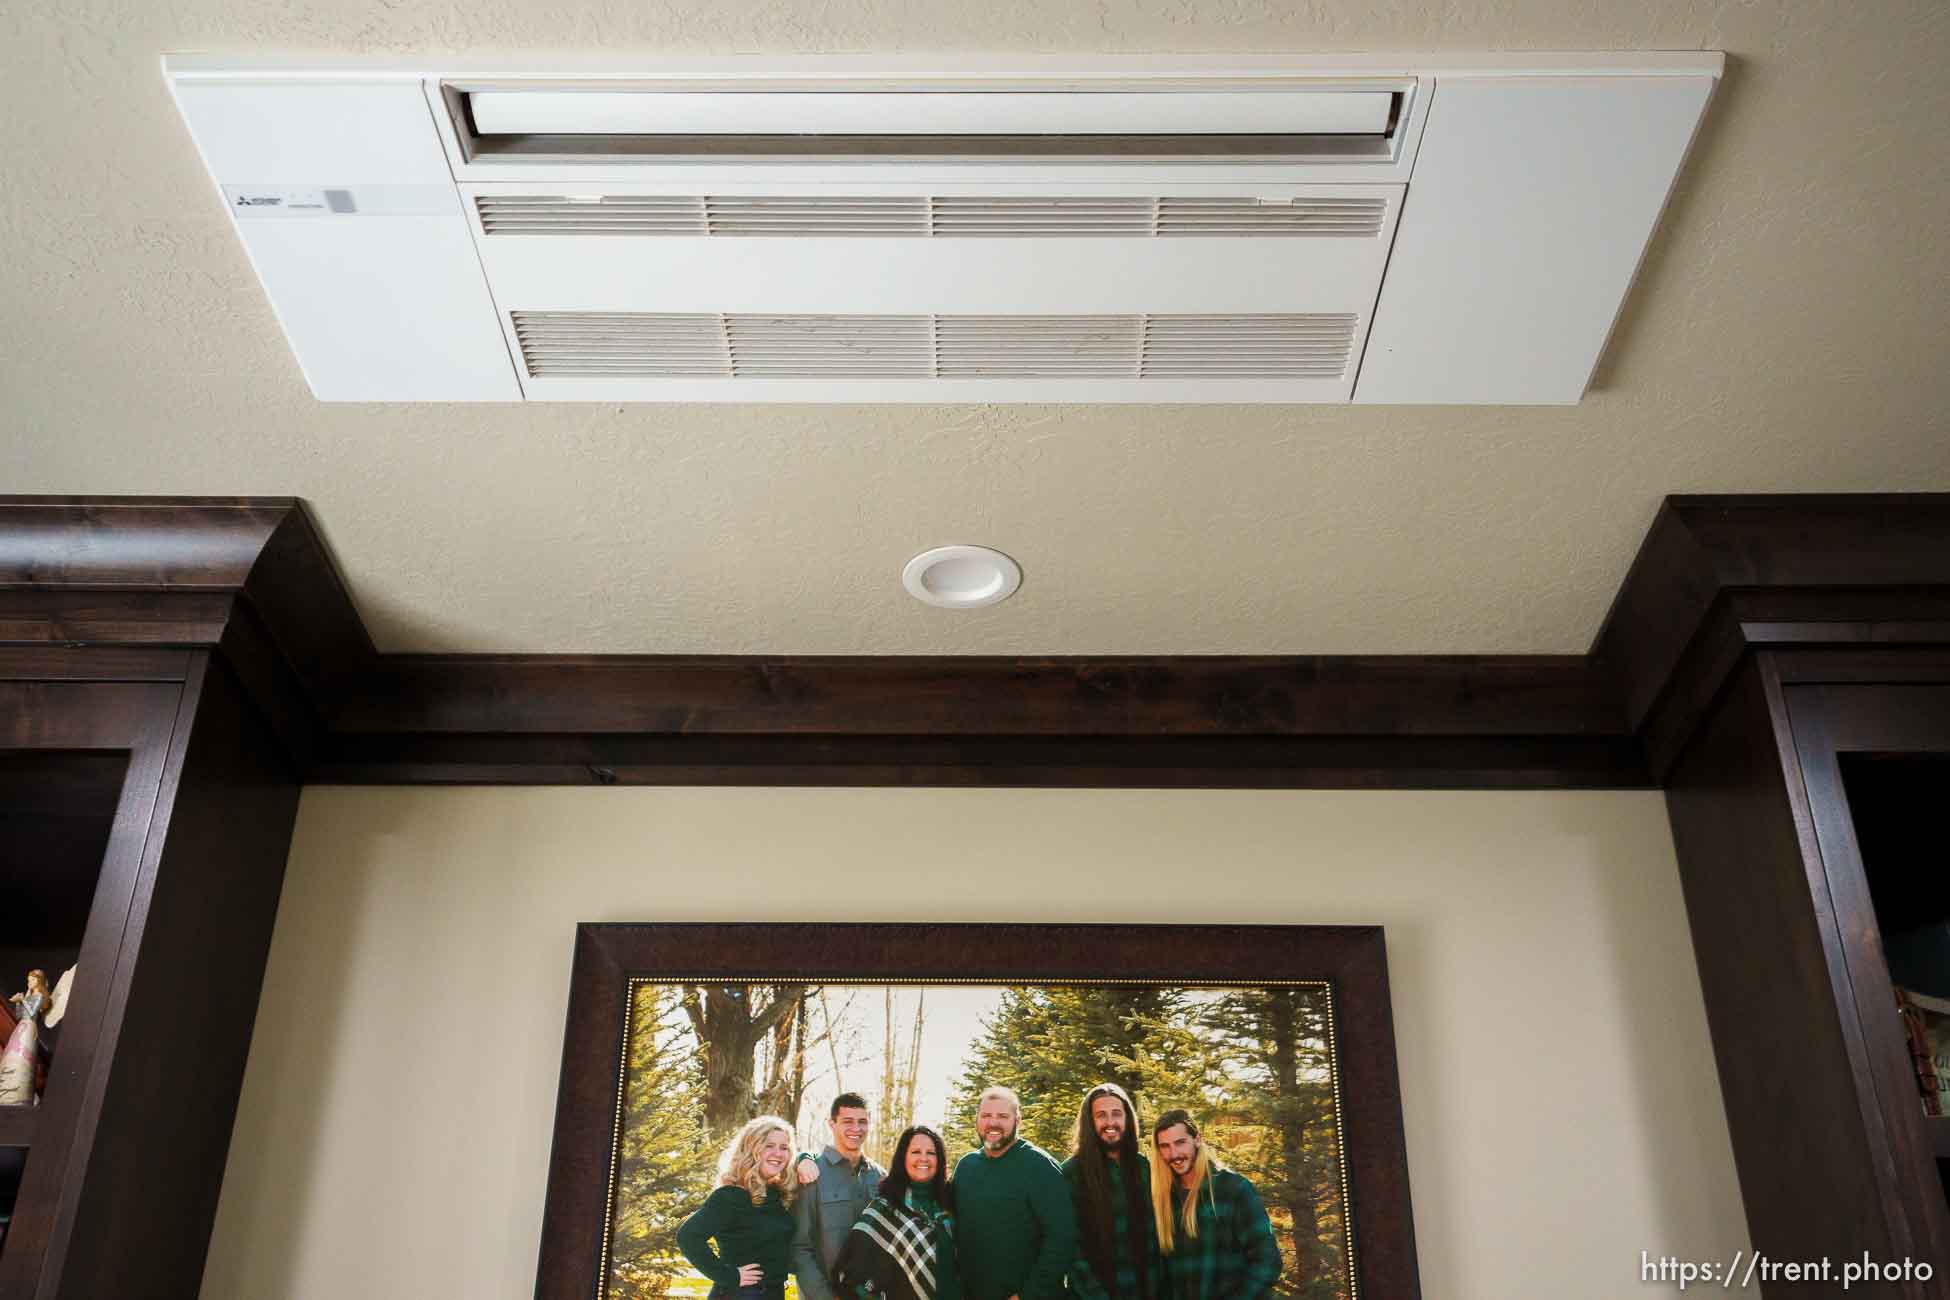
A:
[961,577]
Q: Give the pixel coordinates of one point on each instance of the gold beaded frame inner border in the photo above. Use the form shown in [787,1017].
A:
[1017,981]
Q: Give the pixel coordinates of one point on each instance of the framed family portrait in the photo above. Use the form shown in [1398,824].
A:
[978,1112]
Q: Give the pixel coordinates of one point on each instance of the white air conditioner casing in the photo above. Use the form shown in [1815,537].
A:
[1326,229]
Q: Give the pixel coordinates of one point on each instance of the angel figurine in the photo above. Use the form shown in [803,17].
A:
[21,1061]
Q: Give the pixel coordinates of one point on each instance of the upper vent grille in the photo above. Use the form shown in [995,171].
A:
[960,217]
[650,345]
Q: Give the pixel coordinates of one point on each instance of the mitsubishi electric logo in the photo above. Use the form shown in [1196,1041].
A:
[279,201]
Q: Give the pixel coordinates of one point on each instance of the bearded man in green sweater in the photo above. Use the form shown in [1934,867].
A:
[1016,1232]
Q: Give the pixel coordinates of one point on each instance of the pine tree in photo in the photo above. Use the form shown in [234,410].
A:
[1275,1125]
[667,1158]
[1052,1044]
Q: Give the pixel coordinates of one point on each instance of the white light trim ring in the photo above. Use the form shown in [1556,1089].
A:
[961,577]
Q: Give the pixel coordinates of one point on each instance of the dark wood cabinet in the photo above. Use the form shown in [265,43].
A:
[1874,761]
[1808,817]
[81,767]
[159,671]
[144,824]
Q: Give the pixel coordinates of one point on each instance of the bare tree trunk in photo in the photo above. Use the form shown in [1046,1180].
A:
[785,1064]
[891,1121]
[832,1042]
[914,1057]
[731,1021]
[797,1092]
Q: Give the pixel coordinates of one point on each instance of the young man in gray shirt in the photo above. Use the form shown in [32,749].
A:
[847,1180]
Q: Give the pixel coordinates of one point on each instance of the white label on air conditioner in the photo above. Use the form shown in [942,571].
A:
[251,202]
[258,202]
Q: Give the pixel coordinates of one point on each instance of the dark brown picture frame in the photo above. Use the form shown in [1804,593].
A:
[1352,959]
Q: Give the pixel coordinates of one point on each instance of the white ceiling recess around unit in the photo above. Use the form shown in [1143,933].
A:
[1364,228]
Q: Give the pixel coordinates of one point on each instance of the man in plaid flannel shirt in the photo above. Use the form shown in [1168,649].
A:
[1217,1241]
[1110,1182]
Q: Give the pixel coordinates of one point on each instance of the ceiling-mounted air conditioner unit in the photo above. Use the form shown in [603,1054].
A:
[1355,228]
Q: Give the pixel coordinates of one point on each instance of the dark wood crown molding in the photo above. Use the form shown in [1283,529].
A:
[148,570]
[248,577]
[1716,578]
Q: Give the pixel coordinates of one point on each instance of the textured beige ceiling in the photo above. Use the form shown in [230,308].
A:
[1788,333]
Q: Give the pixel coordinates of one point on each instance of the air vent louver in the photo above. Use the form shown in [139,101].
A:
[635,215]
[1024,346]
[876,215]
[1006,216]
[1240,347]
[804,347]
[638,344]
[1358,218]
[647,345]
[958,217]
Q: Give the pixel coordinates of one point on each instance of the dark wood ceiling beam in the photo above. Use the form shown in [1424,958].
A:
[1301,762]
[252,579]
[1162,696]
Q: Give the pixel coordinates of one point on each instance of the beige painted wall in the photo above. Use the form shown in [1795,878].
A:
[1560,1101]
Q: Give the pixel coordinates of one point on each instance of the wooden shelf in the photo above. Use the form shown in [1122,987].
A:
[17,1125]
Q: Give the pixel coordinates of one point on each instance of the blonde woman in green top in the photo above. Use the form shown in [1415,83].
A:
[749,1216]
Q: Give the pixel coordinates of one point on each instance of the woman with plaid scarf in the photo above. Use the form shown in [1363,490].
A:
[902,1247]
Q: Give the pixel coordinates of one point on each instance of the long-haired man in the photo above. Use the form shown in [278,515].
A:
[1110,1183]
[1212,1229]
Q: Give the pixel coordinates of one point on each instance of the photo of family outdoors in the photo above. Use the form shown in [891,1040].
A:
[923,1141]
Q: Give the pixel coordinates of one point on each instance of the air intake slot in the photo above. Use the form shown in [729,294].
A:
[892,111]
[650,345]
[956,217]
[1214,120]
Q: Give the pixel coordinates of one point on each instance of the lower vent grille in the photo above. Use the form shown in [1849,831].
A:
[961,217]
[649,345]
